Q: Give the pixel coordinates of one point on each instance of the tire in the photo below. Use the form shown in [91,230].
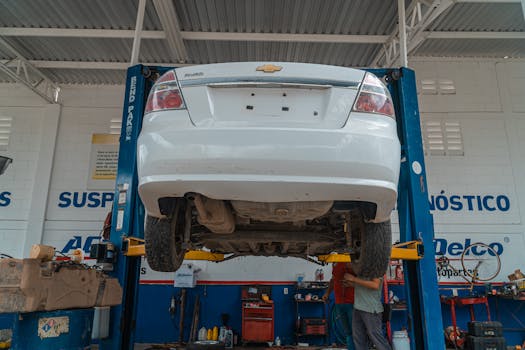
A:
[486,273]
[205,345]
[164,238]
[373,247]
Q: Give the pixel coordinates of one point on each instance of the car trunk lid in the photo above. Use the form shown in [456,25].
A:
[255,94]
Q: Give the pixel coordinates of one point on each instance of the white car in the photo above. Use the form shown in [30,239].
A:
[282,159]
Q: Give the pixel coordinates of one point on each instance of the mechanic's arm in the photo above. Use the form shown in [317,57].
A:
[329,289]
[374,283]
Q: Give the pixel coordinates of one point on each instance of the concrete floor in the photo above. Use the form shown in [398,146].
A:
[260,347]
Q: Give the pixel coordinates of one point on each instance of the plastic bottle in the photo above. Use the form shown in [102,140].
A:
[277,341]
[215,333]
[400,340]
[209,334]
[222,333]
[202,334]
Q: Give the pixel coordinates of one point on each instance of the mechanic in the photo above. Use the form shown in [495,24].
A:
[344,299]
[368,313]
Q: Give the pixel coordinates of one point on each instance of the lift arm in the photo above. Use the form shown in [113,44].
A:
[132,246]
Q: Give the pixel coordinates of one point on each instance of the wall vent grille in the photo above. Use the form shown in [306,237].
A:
[442,137]
[115,125]
[5,132]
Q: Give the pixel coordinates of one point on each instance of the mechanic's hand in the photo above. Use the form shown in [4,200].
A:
[348,277]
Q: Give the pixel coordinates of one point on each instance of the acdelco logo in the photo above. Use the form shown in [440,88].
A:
[443,247]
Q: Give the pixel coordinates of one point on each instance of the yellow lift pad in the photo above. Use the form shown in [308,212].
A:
[133,246]
[402,251]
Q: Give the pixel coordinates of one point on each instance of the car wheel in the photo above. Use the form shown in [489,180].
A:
[205,345]
[164,238]
[372,248]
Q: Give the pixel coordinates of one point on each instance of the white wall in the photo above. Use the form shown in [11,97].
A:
[488,103]
[489,106]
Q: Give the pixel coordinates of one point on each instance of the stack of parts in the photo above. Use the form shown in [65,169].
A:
[28,285]
[485,336]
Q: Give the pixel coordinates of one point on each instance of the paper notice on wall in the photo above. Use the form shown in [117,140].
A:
[104,161]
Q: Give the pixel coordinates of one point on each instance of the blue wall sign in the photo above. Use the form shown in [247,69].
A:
[85,199]
[5,199]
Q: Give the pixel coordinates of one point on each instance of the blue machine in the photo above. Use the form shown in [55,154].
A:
[57,330]
[413,209]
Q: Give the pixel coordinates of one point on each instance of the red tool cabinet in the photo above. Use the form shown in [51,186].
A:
[257,322]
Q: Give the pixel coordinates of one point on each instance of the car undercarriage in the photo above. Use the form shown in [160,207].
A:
[197,222]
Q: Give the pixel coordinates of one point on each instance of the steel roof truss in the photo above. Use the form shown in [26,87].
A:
[22,71]
[420,14]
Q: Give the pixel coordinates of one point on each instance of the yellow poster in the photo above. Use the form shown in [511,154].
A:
[104,157]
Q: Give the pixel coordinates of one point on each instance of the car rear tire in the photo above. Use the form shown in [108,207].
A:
[164,238]
[372,250]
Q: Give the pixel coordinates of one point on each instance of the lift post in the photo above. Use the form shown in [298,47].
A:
[415,220]
[128,212]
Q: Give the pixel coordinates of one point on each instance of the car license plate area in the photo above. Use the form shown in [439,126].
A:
[268,105]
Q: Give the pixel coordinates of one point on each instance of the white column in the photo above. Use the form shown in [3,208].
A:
[138,33]
[403,58]
[44,169]
[523,8]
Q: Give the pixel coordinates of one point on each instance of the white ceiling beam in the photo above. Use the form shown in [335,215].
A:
[475,35]
[80,33]
[186,35]
[170,23]
[278,37]
[42,64]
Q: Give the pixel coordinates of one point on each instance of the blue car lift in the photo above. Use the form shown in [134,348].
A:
[415,220]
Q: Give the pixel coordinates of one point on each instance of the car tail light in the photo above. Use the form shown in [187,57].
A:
[374,97]
[165,94]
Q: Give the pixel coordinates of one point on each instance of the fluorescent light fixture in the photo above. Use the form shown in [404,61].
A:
[4,163]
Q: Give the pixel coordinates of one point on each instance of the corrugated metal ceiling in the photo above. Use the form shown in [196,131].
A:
[325,53]
[288,16]
[472,48]
[343,17]
[101,14]
[481,17]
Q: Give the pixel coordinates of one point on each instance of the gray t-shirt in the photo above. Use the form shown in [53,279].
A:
[368,300]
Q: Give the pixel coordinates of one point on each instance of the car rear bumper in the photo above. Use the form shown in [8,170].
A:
[359,162]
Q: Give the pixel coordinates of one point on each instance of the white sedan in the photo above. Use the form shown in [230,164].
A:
[282,159]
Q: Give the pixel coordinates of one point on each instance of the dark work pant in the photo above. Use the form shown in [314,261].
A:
[343,313]
[366,323]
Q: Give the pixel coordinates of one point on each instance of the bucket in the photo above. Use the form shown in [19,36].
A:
[400,340]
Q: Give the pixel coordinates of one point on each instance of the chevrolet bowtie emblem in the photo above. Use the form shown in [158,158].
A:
[269,68]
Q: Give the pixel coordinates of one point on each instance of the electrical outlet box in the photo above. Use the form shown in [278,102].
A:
[285,291]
